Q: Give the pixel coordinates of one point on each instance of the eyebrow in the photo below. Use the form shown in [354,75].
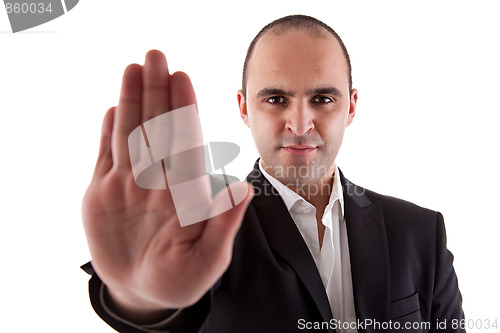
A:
[326,91]
[274,91]
[322,90]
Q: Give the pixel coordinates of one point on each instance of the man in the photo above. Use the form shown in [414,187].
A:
[305,249]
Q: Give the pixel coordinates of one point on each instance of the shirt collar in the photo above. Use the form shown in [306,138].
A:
[290,198]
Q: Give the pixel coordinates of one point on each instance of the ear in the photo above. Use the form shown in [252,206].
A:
[243,107]
[352,106]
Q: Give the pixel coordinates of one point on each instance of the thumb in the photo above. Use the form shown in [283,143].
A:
[219,232]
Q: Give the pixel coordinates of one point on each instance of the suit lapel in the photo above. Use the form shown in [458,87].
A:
[369,253]
[286,240]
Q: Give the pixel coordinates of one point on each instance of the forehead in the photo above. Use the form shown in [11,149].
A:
[297,58]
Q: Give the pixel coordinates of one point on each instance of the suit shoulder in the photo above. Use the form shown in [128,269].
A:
[402,213]
[398,204]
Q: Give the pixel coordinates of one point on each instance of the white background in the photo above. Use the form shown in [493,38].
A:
[426,128]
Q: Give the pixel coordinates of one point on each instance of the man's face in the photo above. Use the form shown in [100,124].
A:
[298,104]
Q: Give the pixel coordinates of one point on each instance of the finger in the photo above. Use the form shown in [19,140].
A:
[104,159]
[181,91]
[182,94]
[220,231]
[127,114]
[155,78]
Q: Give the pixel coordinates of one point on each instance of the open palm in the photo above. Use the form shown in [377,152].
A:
[147,261]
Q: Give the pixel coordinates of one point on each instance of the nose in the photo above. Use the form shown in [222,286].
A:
[299,119]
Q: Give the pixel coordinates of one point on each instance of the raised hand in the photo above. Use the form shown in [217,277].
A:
[148,262]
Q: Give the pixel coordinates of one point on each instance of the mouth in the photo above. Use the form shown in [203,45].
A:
[299,149]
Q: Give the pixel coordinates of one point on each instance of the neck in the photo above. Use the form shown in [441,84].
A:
[317,193]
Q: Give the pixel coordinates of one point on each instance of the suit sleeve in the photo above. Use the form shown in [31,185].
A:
[189,320]
[447,300]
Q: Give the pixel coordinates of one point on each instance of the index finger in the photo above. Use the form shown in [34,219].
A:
[127,114]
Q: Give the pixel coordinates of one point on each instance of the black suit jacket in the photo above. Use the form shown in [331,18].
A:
[401,271]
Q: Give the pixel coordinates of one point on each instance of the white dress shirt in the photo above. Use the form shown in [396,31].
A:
[332,259]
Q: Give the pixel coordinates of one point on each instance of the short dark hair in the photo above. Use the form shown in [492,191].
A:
[303,22]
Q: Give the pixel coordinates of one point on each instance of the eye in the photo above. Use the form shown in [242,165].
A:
[276,100]
[322,100]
